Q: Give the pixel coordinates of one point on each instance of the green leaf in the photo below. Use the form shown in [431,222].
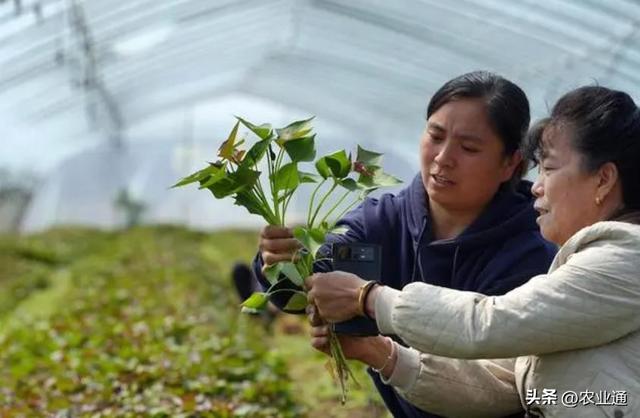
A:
[308,177]
[250,310]
[272,272]
[339,230]
[383,179]
[286,178]
[318,235]
[197,176]
[234,182]
[245,176]
[305,264]
[214,177]
[290,270]
[366,192]
[349,184]
[302,234]
[263,131]
[294,130]
[311,239]
[368,157]
[339,164]
[247,199]
[257,300]
[297,302]
[323,168]
[285,195]
[225,187]
[301,149]
[228,146]
[377,180]
[366,182]
[255,153]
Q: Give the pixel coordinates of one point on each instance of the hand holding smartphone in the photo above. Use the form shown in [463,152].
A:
[362,260]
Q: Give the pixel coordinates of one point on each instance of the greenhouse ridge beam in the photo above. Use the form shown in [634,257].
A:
[95,90]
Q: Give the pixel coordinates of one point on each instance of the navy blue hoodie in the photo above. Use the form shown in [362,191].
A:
[499,251]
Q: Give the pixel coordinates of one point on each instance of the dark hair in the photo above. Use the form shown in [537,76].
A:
[605,127]
[507,107]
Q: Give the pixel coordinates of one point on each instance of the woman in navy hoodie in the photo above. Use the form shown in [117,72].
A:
[465,222]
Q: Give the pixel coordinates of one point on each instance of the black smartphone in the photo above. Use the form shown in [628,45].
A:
[362,260]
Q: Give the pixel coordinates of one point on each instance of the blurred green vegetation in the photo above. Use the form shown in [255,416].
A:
[143,322]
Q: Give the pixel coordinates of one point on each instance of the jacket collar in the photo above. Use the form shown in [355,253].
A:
[509,212]
[630,216]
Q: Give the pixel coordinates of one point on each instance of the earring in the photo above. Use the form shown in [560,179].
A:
[598,201]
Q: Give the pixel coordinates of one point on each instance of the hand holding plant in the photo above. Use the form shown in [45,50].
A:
[237,174]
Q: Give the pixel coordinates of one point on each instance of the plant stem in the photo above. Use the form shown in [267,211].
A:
[307,262]
[358,200]
[272,170]
[274,196]
[284,208]
[279,158]
[286,204]
[266,208]
[324,198]
[274,192]
[313,196]
[344,196]
[263,198]
[284,290]
[340,364]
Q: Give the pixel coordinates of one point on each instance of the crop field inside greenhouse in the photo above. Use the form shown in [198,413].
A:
[144,322]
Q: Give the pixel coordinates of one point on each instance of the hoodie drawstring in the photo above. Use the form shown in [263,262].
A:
[455,261]
[417,250]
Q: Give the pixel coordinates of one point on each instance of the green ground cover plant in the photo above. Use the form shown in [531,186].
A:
[144,323]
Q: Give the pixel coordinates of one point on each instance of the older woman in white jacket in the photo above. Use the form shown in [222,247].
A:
[565,344]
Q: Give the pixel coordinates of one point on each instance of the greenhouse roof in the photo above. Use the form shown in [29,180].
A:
[73,72]
[76,76]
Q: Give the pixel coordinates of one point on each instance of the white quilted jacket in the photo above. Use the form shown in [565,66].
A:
[575,329]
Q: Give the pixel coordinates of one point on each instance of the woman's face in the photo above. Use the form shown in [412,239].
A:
[565,192]
[463,160]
